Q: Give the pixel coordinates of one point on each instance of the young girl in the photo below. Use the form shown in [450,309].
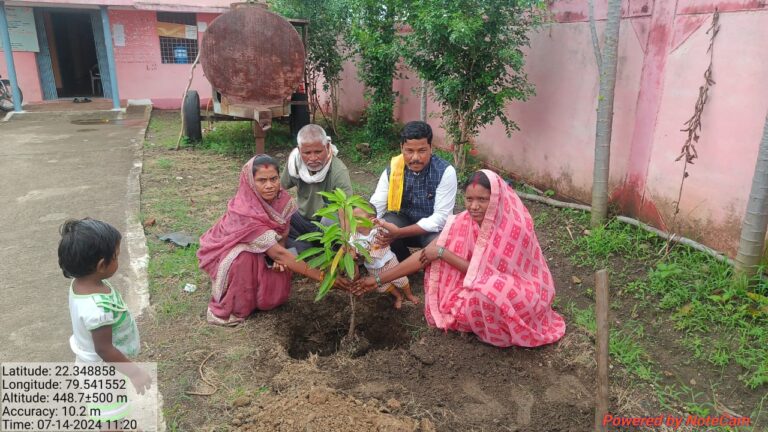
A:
[102,327]
[382,259]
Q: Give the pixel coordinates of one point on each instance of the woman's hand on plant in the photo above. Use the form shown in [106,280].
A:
[428,254]
[343,284]
[364,285]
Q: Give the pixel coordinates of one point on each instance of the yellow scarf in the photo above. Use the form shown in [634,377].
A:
[396,183]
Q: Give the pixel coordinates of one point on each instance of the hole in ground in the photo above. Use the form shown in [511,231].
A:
[320,327]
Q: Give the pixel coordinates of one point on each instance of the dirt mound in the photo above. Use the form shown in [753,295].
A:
[322,409]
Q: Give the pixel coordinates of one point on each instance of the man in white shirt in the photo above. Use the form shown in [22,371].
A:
[416,193]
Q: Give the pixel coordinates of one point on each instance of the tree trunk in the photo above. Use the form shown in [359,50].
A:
[423,108]
[605,115]
[335,107]
[312,92]
[753,227]
[593,32]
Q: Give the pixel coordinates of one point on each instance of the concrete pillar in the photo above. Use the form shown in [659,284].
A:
[8,51]
[110,57]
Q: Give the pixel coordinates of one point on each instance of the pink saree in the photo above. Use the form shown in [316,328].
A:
[506,295]
[232,252]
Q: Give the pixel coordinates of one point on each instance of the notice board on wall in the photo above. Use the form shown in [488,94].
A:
[21,26]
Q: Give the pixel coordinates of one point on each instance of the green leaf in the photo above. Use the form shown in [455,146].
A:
[319,225]
[308,253]
[330,278]
[362,250]
[340,195]
[349,265]
[318,262]
[329,211]
[310,237]
[364,222]
[332,234]
[328,195]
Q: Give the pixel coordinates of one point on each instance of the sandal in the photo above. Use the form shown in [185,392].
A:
[85,99]
[76,100]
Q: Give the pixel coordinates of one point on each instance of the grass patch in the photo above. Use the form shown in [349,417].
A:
[690,300]
[164,163]
[623,344]
[235,138]
[164,130]
[722,322]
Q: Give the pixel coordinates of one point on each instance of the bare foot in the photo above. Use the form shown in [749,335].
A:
[409,295]
[398,297]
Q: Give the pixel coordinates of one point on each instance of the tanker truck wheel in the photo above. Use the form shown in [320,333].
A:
[191,113]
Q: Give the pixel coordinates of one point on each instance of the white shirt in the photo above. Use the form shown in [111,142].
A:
[89,312]
[445,200]
[379,256]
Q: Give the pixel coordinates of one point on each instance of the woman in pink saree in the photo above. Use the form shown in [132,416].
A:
[234,251]
[486,273]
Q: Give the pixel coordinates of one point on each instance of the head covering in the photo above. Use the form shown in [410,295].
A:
[248,219]
[298,169]
[506,295]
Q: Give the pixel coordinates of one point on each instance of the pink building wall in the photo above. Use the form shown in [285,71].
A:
[662,59]
[140,71]
[26,73]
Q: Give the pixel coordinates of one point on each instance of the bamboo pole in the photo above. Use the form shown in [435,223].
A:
[554,203]
[665,235]
[603,328]
[184,98]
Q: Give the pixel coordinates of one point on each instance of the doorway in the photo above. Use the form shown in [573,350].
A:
[72,48]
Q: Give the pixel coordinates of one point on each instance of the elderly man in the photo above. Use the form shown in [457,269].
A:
[415,194]
[312,167]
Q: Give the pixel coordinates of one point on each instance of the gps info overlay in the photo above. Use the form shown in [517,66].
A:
[78,397]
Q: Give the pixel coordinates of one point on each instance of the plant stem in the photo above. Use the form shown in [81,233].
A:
[351,332]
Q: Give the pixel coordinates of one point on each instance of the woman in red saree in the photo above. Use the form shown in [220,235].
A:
[486,273]
[234,251]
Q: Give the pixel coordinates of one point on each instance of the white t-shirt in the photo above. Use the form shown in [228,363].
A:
[379,256]
[89,312]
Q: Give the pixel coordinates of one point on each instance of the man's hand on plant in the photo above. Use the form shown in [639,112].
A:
[386,235]
[364,285]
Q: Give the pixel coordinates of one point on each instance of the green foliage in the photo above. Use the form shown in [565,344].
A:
[471,165]
[337,255]
[327,24]
[471,54]
[372,35]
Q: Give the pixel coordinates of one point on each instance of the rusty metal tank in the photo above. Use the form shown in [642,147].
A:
[253,56]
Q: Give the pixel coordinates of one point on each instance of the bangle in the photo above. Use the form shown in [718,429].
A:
[378,280]
[440,251]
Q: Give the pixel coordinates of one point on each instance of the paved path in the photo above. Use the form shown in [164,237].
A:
[55,166]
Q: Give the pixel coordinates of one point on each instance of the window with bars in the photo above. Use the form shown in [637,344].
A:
[178,37]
